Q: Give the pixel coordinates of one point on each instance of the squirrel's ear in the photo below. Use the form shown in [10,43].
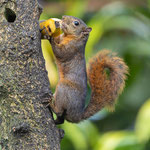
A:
[88,29]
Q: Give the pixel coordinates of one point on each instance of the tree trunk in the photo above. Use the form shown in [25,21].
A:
[25,123]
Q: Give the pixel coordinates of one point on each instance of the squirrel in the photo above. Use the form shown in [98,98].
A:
[106,74]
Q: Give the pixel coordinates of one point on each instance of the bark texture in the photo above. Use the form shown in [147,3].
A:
[25,123]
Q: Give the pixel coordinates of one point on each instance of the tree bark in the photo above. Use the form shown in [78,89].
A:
[25,123]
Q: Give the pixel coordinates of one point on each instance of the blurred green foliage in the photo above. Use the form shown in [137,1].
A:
[123,27]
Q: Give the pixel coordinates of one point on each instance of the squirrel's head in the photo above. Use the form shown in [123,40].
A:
[74,26]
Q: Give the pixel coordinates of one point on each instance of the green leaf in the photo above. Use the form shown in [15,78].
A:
[131,23]
[142,126]
[44,16]
[115,140]
[76,8]
[76,136]
[131,147]
[89,130]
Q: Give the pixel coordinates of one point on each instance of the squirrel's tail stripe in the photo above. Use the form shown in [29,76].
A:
[106,74]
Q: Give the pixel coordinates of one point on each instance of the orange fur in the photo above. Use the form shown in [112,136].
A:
[67,39]
[105,90]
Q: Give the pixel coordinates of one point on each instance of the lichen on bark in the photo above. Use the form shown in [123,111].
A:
[25,123]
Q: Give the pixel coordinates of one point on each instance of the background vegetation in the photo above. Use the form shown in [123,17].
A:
[124,27]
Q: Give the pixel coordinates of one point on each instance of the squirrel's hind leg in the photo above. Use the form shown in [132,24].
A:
[60,113]
[60,119]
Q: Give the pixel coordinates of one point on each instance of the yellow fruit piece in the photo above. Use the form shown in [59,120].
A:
[50,27]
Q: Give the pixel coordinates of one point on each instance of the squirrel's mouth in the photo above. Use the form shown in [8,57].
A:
[64,27]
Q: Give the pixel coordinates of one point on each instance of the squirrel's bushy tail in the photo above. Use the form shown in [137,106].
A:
[106,74]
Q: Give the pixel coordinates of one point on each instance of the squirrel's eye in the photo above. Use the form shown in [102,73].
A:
[76,23]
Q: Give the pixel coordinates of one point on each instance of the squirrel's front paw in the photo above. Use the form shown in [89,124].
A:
[46,35]
[52,40]
[52,100]
[47,98]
